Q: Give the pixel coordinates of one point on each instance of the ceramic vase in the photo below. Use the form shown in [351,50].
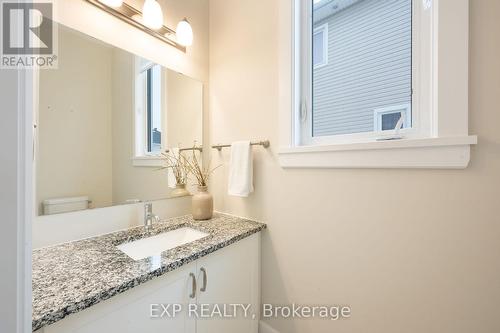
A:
[202,204]
[179,191]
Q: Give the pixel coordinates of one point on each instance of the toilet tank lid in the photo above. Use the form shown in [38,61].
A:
[57,201]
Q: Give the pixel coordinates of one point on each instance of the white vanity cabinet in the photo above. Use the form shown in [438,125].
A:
[233,277]
[228,276]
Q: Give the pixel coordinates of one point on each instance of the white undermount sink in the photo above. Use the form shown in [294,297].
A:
[153,246]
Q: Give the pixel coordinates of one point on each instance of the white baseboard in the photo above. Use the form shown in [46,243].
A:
[265,328]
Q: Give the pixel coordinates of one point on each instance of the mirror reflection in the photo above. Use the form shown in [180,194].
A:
[105,118]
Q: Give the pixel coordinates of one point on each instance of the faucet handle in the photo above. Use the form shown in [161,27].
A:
[148,207]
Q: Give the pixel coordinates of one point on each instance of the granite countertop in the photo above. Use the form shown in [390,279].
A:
[73,276]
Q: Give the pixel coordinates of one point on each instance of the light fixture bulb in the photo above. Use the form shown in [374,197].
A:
[152,14]
[112,3]
[184,33]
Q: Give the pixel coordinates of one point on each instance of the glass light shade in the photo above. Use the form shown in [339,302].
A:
[184,33]
[112,3]
[152,14]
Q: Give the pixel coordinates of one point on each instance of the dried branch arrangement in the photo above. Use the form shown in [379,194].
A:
[179,165]
[201,171]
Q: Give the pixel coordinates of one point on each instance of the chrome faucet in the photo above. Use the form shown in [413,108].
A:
[149,217]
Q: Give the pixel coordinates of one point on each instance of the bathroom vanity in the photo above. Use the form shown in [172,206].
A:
[90,285]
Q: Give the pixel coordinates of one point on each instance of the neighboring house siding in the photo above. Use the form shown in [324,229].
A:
[369,66]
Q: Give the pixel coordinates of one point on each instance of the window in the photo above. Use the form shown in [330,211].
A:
[370,66]
[364,71]
[153,107]
[386,119]
[148,116]
[320,46]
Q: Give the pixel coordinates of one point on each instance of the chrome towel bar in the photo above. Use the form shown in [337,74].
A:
[264,144]
[186,149]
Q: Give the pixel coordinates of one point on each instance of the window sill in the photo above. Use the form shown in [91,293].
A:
[431,153]
[148,161]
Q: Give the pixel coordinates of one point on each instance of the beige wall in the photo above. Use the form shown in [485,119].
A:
[74,146]
[408,250]
[184,110]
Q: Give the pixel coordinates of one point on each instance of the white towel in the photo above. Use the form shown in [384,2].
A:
[174,156]
[241,169]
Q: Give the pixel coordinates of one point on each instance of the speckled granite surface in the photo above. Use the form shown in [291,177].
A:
[70,277]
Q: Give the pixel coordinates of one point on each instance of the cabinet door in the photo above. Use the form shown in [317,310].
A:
[130,312]
[233,277]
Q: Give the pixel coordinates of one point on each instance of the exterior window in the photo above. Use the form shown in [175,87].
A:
[361,62]
[148,113]
[153,106]
[368,87]
[320,46]
[386,119]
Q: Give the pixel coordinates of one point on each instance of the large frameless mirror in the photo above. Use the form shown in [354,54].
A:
[106,118]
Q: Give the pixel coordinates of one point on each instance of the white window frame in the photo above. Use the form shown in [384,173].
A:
[404,109]
[141,157]
[439,135]
[324,30]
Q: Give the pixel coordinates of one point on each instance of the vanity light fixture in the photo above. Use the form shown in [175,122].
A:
[151,21]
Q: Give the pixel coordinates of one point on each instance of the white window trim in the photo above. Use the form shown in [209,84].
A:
[140,157]
[404,109]
[149,161]
[323,29]
[440,138]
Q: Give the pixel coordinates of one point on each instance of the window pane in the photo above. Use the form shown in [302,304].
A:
[318,48]
[154,109]
[390,120]
[369,63]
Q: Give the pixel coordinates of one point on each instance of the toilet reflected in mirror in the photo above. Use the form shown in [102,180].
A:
[104,118]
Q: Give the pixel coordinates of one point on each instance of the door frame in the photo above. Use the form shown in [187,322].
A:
[27,110]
